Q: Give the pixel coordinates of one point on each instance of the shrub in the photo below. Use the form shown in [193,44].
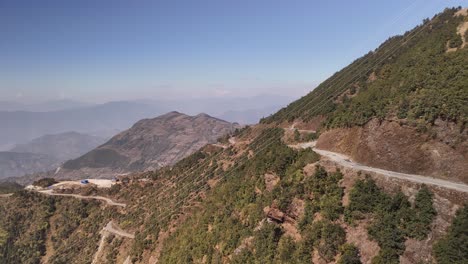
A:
[45,182]
[453,247]
[349,255]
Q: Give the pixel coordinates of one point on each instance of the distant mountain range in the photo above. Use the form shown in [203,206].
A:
[17,164]
[147,145]
[45,153]
[64,146]
[49,106]
[105,120]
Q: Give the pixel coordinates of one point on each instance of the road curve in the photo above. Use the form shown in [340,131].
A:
[102,198]
[345,161]
[111,228]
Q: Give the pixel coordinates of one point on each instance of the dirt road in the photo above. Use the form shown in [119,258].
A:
[345,161]
[105,199]
[111,228]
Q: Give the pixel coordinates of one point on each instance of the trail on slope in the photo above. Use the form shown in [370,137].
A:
[102,198]
[110,228]
[345,161]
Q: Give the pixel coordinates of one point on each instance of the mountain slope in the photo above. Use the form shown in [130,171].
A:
[253,198]
[62,146]
[401,107]
[151,144]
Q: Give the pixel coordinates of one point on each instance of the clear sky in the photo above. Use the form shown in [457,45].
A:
[100,50]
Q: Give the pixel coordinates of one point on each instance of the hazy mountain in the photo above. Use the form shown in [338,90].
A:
[62,146]
[17,164]
[216,106]
[57,105]
[24,126]
[105,119]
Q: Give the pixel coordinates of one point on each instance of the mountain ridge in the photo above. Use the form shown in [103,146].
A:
[150,144]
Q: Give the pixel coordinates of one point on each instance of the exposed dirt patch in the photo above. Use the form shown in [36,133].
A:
[311,125]
[271,180]
[461,30]
[358,236]
[296,208]
[462,12]
[310,169]
[372,77]
[391,146]
[291,230]
[49,244]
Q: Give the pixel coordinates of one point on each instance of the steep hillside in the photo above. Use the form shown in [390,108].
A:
[64,146]
[149,144]
[266,194]
[17,164]
[257,201]
[413,87]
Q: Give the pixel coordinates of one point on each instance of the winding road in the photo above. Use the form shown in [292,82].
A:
[345,161]
[78,196]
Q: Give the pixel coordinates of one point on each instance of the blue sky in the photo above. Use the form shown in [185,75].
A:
[112,50]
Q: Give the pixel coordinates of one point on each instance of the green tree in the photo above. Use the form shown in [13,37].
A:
[349,255]
[453,248]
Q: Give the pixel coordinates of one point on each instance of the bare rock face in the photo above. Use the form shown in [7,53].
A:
[148,145]
[392,146]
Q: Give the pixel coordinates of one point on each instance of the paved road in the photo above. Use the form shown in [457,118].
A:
[345,161]
[105,199]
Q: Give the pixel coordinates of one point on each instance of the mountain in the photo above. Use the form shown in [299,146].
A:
[57,105]
[45,153]
[62,146]
[401,107]
[149,144]
[18,164]
[24,126]
[274,192]
[104,119]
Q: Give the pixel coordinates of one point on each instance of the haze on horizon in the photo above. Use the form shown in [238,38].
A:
[97,51]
